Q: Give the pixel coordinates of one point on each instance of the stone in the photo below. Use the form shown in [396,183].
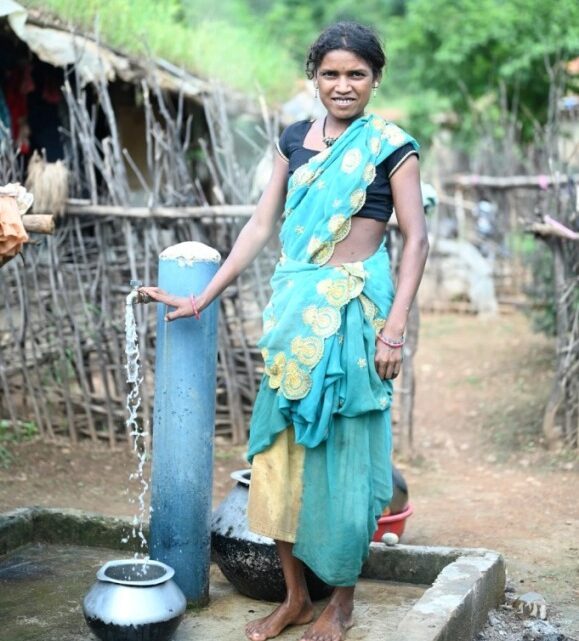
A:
[16,528]
[493,620]
[531,604]
[390,538]
[542,631]
[457,270]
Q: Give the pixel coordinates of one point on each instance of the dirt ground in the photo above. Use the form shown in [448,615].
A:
[480,476]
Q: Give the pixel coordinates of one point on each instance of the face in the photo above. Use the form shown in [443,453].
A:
[345,84]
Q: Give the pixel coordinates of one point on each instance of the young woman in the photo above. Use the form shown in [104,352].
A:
[320,439]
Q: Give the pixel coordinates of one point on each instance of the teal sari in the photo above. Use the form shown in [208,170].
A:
[318,346]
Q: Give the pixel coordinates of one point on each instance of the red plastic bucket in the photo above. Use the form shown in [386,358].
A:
[392,523]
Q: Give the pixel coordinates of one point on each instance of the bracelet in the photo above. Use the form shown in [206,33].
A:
[196,313]
[394,344]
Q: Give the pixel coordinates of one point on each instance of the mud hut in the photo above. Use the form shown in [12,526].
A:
[144,151]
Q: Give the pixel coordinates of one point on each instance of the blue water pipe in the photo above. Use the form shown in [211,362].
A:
[183,423]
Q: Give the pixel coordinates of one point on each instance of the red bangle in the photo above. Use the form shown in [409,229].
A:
[196,313]
[390,342]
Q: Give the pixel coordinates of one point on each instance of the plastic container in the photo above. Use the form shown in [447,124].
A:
[392,523]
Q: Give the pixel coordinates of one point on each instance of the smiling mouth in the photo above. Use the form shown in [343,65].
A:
[343,101]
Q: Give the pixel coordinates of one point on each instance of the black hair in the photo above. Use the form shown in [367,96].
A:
[351,36]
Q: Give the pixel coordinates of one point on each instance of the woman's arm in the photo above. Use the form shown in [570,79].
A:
[251,240]
[405,184]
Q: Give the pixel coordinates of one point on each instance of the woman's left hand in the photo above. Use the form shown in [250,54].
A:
[388,360]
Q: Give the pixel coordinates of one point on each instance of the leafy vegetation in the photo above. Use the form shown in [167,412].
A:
[470,57]
[471,49]
[236,52]
[465,56]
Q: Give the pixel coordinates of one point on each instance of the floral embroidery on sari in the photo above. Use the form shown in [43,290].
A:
[308,299]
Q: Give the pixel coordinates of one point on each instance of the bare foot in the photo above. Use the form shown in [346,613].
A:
[288,613]
[332,624]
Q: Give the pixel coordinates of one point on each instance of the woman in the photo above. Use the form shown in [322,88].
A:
[320,439]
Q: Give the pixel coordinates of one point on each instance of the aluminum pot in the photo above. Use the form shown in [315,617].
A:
[134,600]
[250,561]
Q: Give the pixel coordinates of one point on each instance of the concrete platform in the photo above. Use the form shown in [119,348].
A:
[48,560]
[42,586]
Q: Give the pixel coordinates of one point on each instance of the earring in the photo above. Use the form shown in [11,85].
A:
[316,92]
[375,90]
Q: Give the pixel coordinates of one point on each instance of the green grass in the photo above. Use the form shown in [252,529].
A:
[8,434]
[239,55]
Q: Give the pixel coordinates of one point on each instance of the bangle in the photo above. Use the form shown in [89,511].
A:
[196,313]
[391,342]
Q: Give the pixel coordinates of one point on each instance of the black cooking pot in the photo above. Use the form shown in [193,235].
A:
[250,561]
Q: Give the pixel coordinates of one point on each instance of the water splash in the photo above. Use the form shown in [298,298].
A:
[136,432]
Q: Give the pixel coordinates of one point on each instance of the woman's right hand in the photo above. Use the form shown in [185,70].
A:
[251,240]
[182,304]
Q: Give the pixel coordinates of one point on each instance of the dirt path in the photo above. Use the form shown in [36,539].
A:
[481,477]
[486,480]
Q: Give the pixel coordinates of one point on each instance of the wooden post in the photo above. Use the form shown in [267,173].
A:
[557,393]
[38,223]
[408,382]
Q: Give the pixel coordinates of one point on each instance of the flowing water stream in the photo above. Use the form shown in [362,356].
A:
[135,430]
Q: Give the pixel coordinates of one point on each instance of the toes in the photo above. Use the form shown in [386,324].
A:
[320,636]
[253,634]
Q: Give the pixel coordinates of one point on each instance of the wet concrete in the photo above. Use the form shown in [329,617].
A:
[41,589]
[379,608]
[42,586]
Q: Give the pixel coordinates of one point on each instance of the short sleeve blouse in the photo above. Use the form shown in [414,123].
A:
[379,202]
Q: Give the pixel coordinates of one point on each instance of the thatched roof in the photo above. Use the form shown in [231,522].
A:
[61,46]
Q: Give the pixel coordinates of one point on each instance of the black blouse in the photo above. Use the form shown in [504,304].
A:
[379,203]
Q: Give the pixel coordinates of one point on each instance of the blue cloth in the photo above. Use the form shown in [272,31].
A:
[318,346]
[317,372]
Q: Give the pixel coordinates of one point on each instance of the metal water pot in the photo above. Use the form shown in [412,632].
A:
[134,600]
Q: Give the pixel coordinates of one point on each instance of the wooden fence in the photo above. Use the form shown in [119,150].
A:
[62,324]
[62,355]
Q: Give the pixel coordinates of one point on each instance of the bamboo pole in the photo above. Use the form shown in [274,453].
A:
[508,182]
[38,223]
[546,230]
[243,211]
[408,383]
